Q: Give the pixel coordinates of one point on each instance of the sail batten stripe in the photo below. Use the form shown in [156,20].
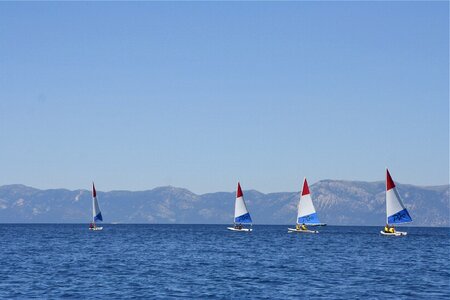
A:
[244,219]
[309,219]
[400,217]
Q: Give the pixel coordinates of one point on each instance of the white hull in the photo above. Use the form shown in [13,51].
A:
[242,229]
[302,231]
[397,233]
[96,228]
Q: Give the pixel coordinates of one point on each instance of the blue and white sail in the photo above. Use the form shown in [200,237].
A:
[306,212]
[241,214]
[96,213]
[396,212]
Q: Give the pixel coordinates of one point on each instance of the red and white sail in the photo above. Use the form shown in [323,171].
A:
[306,213]
[96,213]
[396,212]
[241,214]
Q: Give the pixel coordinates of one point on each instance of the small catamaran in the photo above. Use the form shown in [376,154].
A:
[306,214]
[241,214]
[96,213]
[396,213]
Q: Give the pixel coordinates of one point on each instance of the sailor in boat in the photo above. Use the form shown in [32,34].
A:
[238,226]
[301,227]
[91,225]
[388,229]
[392,229]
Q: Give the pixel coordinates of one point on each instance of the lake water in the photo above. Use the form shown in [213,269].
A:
[207,261]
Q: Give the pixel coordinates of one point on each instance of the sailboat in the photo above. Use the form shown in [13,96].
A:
[306,213]
[396,213]
[241,214]
[96,213]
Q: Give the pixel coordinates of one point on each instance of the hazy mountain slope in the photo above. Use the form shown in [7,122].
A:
[337,202]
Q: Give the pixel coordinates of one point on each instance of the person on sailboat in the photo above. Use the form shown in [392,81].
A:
[304,227]
[91,225]
[386,228]
[392,229]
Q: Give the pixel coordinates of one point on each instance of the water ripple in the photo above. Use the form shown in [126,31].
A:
[195,261]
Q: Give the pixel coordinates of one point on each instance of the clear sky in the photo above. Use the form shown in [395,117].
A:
[202,94]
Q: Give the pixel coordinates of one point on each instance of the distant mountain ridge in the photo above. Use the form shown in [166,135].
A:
[337,203]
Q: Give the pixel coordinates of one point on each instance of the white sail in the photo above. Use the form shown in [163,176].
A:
[96,213]
[306,212]
[241,214]
[396,212]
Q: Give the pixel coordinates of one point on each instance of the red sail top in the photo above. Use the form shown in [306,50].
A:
[94,193]
[305,190]
[389,182]
[239,191]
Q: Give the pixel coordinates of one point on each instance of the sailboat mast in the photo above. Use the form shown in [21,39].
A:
[94,194]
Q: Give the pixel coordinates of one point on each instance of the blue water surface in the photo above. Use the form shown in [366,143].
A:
[207,261]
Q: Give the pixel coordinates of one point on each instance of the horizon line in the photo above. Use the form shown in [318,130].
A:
[202,224]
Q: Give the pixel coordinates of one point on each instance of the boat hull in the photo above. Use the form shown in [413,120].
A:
[397,233]
[242,229]
[302,231]
[96,228]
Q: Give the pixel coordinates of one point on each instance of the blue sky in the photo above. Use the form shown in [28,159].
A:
[202,94]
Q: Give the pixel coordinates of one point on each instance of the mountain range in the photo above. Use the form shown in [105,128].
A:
[337,203]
